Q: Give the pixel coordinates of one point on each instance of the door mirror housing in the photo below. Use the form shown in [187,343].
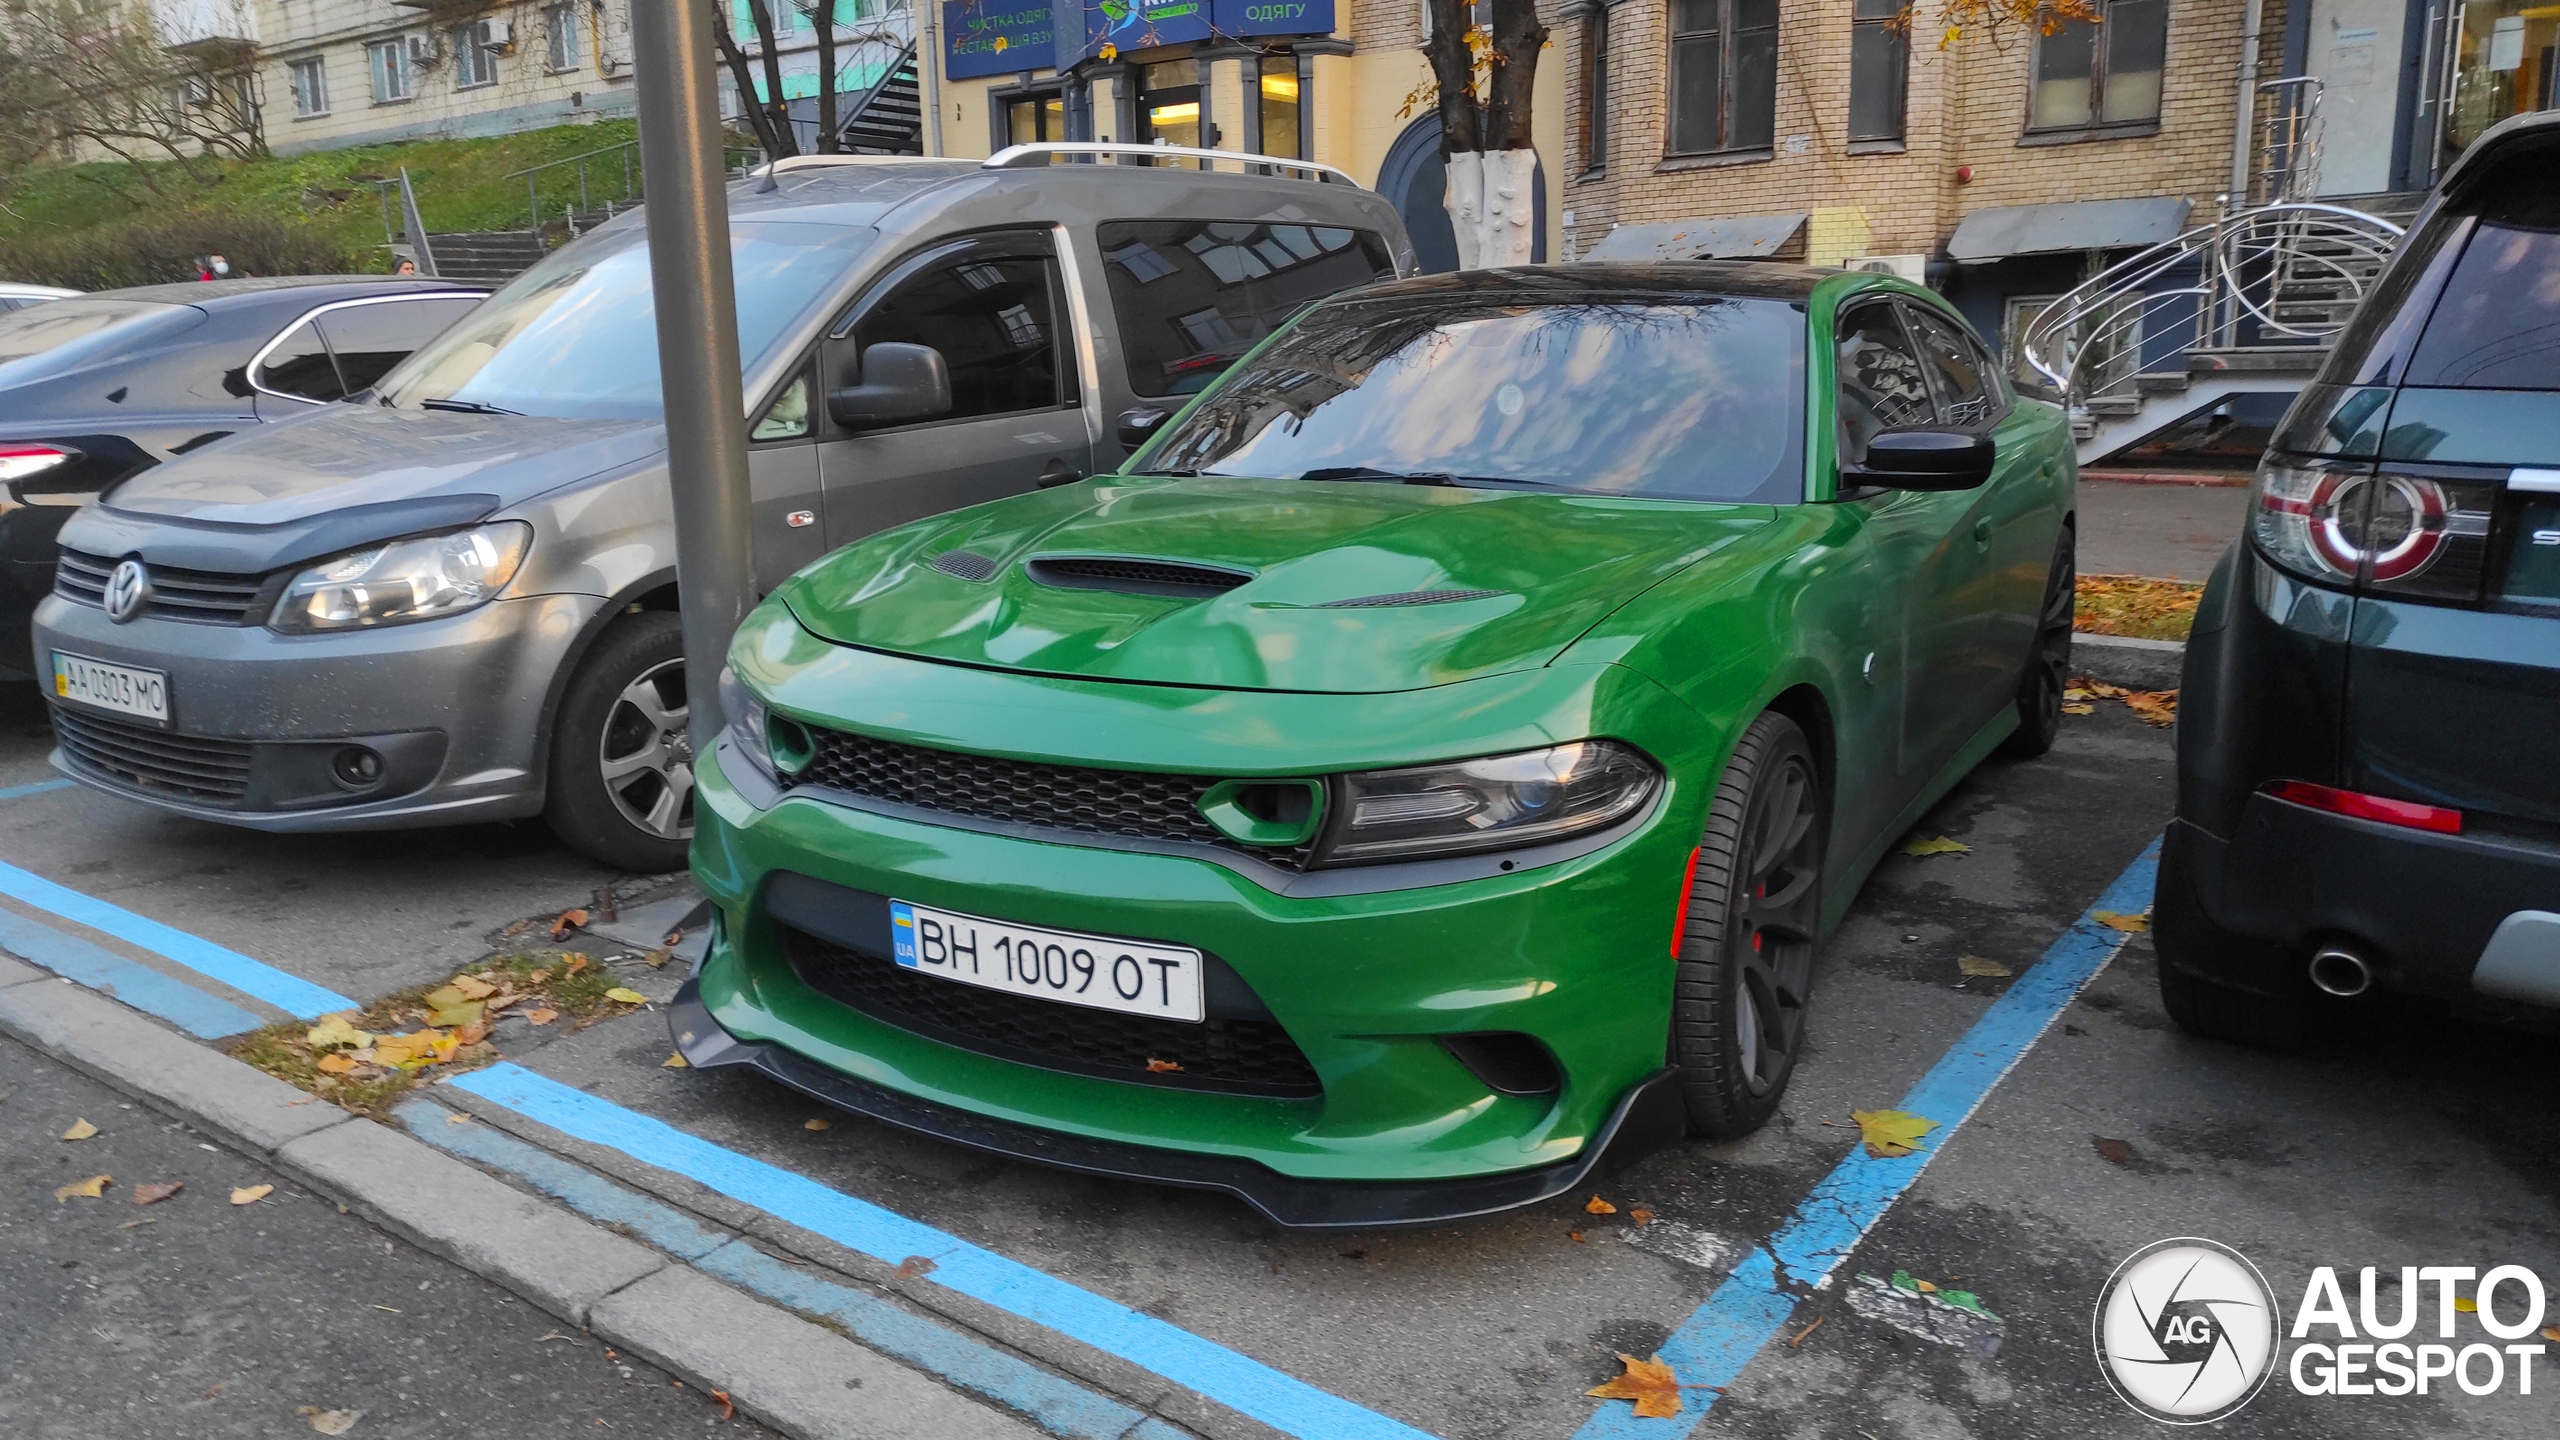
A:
[1140,425]
[893,383]
[1923,460]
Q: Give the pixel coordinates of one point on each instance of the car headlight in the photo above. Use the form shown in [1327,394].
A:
[404,580]
[1495,803]
[776,745]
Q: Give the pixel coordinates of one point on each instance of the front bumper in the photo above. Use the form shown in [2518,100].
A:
[454,706]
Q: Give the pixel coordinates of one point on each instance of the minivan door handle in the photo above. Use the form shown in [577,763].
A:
[1059,473]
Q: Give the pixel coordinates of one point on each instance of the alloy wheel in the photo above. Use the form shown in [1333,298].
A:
[1776,916]
[646,753]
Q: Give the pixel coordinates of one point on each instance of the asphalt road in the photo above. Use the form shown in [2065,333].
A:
[195,1319]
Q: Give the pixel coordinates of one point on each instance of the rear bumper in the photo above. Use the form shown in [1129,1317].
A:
[1648,1115]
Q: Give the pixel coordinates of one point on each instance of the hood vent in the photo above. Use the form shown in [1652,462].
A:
[966,565]
[1408,597]
[1132,576]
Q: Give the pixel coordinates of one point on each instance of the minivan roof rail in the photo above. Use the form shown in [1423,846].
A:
[1020,157]
[788,163]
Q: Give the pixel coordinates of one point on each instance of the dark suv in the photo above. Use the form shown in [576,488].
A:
[2368,788]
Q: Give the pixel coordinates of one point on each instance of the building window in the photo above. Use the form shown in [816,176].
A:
[1283,101]
[1595,89]
[1036,118]
[560,37]
[1879,69]
[389,62]
[310,87]
[1724,75]
[474,63]
[2102,72]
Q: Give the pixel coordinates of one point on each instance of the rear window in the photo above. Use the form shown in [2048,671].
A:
[64,334]
[2497,326]
[1193,295]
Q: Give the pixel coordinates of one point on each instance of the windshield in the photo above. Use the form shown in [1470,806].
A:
[67,333]
[577,335]
[1696,398]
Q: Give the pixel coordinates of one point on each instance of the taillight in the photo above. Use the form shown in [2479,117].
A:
[2361,806]
[21,462]
[2395,533]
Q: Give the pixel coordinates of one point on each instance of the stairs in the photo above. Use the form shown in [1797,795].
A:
[491,257]
[889,118]
[2103,424]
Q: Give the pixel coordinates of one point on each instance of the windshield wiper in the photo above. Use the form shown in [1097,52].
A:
[467,407]
[1371,472]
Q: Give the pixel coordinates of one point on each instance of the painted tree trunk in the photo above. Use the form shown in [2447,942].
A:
[1492,203]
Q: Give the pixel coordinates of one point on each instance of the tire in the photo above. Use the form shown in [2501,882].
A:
[2049,658]
[621,787]
[1744,978]
[2191,948]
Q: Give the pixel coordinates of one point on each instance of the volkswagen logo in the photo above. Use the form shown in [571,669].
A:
[2186,1331]
[128,590]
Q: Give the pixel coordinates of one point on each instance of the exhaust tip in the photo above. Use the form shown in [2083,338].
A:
[2341,972]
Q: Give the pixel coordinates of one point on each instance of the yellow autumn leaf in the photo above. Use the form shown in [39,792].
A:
[80,1130]
[814,1122]
[541,1015]
[1925,1287]
[334,1065]
[459,1015]
[90,1189]
[1002,45]
[1975,965]
[444,997]
[1921,849]
[2079,707]
[336,1032]
[2131,924]
[472,987]
[1109,52]
[1649,1383]
[251,1194]
[1598,1206]
[1889,1133]
[624,995]
[675,1061]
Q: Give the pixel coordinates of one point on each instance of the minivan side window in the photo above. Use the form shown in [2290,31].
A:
[2497,324]
[995,320]
[1193,295]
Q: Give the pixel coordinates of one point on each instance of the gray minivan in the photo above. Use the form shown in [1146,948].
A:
[456,600]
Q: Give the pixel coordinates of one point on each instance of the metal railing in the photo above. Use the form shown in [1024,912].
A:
[2288,141]
[614,161]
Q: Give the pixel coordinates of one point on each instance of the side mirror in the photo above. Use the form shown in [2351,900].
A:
[1137,426]
[894,383]
[1924,460]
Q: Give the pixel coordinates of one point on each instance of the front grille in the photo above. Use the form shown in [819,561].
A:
[204,597]
[1237,1057]
[190,767]
[1134,576]
[1133,804]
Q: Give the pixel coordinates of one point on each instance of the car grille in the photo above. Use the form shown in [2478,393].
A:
[205,597]
[1238,1057]
[1134,804]
[191,767]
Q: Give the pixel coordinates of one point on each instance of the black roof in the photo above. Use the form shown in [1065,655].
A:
[1737,279]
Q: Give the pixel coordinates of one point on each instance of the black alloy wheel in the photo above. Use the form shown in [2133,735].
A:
[1744,980]
[2048,671]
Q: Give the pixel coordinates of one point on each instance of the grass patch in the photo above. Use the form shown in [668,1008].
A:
[405,1038]
[2136,608]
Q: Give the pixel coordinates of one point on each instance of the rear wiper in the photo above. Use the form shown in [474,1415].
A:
[467,407]
[1371,472]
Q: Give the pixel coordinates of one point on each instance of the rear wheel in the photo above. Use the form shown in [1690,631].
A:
[1745,972]
[621,787]
[2049,659]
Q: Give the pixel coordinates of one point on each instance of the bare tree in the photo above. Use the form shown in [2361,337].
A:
[1482,74]
[88,77]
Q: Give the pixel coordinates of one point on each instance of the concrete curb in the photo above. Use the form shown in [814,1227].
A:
[2133,664]
[788,1372]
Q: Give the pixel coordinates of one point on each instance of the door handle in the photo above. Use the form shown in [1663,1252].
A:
[1059,473]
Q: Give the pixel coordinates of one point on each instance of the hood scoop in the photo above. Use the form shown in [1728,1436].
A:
[1134,575]
[966,565]
[1409,597]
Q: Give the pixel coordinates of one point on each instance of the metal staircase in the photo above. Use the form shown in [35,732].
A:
[885,119]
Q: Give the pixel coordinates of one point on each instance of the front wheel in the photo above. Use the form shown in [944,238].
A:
[621,786]
[1745,973]
[2049,659]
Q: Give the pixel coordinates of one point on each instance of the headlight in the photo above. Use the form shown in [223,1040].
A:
[404,580]
[775,744]
[1496,803]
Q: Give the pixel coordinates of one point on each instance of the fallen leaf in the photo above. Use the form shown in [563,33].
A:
[2079,708]
[1986,969]
[1642,1214]
[569,920]
[1941,845]
[572,963]
[460,1016]
[251,1194]
[2466,1304]
[541,1015]
[129,1224]
[518,927]
[727,1410]
[92,1188]
[471,1034]
[914,1267]
[157,1191]
[672,939]
[443,996]
[1889,1133]
[2131,924]
[2114,1151]
[657,959]
[333,1065]
[1575,1236]
[473,988]
[1597,1206]
[1649,1383]
[2551,1333]
[329,1422]
[2100,688]
[1160,1067]
[624,995]
[80,1130]
[1924,1287]
[814,1122]
[1809,1329]
[2156,707]
[336,1032]
[2075,693]
[674,1061]
[457,1118]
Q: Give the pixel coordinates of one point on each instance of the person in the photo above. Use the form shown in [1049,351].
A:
[204,268]
[219,268]
[406,266]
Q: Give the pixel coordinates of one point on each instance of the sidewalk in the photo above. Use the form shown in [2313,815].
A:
[2164,531]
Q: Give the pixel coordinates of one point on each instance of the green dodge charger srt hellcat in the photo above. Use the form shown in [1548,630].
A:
[1438,757]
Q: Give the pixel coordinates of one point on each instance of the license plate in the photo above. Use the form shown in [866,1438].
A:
[1131,977]
[120,688]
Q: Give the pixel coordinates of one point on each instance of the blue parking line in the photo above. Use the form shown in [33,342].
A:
[41,787]
[290,993]
[1752,1306]
[1236,1381]
[204,1016]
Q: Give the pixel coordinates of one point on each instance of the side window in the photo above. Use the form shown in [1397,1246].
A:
[1880,381]
[369,339]
[1193,295]
[787,418]
[298,365]
[995,320]
[1968,395]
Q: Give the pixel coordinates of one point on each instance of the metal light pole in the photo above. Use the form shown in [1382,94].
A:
[697,303]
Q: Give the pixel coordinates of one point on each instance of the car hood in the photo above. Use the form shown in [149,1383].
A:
[1342,587]
[346,455]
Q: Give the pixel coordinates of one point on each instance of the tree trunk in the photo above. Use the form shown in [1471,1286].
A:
[745,80]
[1485,139]
[768,35]
[823,16]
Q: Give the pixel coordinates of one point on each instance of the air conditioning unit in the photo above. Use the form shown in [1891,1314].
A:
[498,36]
[422,52]
[1914,268]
